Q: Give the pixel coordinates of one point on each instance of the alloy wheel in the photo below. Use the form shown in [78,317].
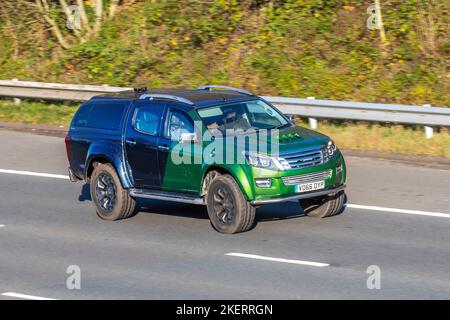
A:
[223,204]
[105,192]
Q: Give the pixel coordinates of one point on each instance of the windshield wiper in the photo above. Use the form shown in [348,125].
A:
[281,126]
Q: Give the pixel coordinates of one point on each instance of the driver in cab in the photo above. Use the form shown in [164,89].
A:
[234,120]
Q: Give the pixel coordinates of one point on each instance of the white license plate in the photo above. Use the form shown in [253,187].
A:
[310,186]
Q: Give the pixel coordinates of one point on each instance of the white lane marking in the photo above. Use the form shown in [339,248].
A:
[355,206]
[36,174]
[24,296]
[254,256]
[415,212]
[2,225]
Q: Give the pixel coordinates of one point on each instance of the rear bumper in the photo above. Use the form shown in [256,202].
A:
[307,195]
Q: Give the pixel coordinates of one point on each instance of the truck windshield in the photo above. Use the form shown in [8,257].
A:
[254,114]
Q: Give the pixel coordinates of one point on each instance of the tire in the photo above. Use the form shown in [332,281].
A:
[112,202]
[325,206]
[228,209]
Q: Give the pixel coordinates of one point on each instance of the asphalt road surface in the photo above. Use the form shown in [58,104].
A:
[397,222]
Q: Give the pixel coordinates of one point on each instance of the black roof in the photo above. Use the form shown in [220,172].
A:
[199,97]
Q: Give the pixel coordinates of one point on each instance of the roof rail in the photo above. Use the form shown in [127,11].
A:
[210,87]
[152,96]
[140,90]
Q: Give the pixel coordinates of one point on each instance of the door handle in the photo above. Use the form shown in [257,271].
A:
[163,148]
[130,142]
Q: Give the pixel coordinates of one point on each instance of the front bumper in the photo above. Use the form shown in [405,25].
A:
[313,194]
[281,189]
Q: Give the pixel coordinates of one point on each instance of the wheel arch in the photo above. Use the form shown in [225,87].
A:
[102,159]
[238,175]
[107,154]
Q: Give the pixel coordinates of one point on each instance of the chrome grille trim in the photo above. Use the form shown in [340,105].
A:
[305,178]
[303,158]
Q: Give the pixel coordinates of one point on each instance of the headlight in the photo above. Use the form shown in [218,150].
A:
[264,161]
[259,160]
[329,150]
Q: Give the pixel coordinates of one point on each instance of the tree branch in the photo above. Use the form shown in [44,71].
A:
[98,7]
[10,27]
[68,13]
[84,17]
[53,25]
[113,8]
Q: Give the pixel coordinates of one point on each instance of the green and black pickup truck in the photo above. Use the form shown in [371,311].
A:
[217,146]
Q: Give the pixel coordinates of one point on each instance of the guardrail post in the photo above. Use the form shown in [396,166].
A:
[312,121]
[17,101]
[428,130]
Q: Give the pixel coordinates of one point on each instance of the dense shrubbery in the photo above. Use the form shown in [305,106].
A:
[293,47]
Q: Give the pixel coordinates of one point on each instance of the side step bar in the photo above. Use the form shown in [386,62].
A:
[167,196]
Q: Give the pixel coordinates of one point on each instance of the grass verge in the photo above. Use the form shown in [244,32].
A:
[30,112]
[408,140]
[391,138]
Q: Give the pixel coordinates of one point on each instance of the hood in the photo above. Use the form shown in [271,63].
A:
[296,137]
[290,138]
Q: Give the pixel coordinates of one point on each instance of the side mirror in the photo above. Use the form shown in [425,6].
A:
[187,137]
[290,116]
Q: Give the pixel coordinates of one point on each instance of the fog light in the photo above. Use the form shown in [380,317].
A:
[263,183]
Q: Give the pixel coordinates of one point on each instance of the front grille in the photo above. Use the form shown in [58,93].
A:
[305,178]
[303,158]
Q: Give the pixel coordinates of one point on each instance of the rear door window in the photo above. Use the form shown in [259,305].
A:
[147,118]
